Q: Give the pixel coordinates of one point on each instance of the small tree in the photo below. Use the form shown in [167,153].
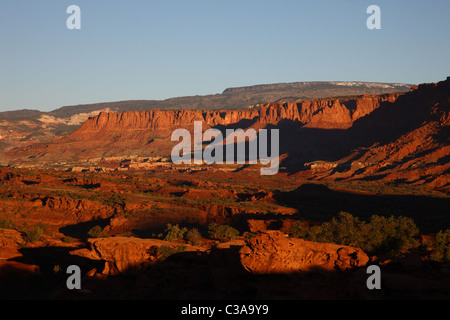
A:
[97,232]
[345,230]
[165,251]
[174,232]
[193,236]
[441,247]
[379,235]
[34,234]
[222,232]
[299,230]
[6,224]
[390,235]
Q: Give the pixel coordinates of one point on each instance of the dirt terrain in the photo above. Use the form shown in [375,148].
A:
[133,209]
[108,199]
[398,138]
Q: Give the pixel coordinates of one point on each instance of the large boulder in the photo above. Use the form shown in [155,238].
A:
[273,252]
[125,254]
[10,243]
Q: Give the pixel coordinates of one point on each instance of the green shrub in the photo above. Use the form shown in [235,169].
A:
[174,232]
[441,247]
[299,230]
[33,234]
[165,251]
[193,236]
[115,200]
[344,230]
[127,234]
[6,224]
[97,232]
[379,235]
[222,232]
[390,235]
[42,225]
[67,239]
[249,235]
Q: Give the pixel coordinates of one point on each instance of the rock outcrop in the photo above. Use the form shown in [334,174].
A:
[148,133]
[316,113]
[272,252]
[125,254]
[10,243]
[394,137]
[405,141]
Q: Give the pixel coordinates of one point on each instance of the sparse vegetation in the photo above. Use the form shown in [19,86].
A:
[165,251]
[33,234]
[67,239]
[97,232]
[378,235]
[299,230]
[249,235]
[441,247]
[193,236]
[174,232]
[222,232]
[6,224]
[115,200]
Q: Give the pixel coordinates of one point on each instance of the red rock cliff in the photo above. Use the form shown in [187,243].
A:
[317,113]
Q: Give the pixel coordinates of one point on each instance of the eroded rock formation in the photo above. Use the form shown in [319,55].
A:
[273,252]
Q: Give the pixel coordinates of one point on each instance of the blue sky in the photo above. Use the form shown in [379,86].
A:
[130,50]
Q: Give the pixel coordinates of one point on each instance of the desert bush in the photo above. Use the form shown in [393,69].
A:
[33,234]
[299,230]
[345,230]
[67,239]
[390,235]
[97,232]
[115,200]
[378,235]
[193,236]
[128,234]
[441,247]
[6,224]
[174,232]
[43,226]
[249,235]
[222,232]
[165,251]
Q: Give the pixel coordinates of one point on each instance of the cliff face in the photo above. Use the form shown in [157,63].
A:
[148,133]
[324,113]
[160,120]
[317,113]
[395,137]
[404,142]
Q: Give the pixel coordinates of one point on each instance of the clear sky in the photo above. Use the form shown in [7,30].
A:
[131,50]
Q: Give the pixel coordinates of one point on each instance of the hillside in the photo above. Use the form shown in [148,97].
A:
[148,133]
[244,97]
[401,142]
[363,180]
[400,137]
[24,127]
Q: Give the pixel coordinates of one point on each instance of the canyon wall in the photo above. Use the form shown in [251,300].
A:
[316,113]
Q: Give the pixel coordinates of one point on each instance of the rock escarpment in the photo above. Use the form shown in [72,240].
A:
[318,113]
[148,133]
[395,137]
